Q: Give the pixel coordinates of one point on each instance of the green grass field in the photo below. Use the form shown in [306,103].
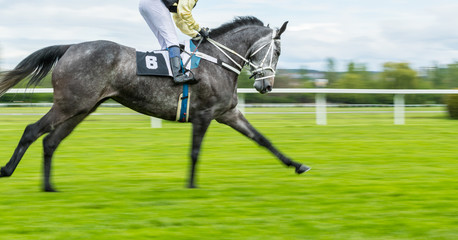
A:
[120,179]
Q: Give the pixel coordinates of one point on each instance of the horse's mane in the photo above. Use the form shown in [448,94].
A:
[235,23]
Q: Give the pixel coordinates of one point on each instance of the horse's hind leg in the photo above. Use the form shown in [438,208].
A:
[50,143]
[31,133]
[59,125]
[236,120]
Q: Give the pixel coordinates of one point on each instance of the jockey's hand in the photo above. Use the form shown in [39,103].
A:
[204,32]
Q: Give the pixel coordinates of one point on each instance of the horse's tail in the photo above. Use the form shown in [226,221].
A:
[37,65]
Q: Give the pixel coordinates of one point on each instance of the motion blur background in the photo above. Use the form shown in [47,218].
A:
[370,179]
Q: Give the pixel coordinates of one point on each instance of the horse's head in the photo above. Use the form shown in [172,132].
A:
[263,58]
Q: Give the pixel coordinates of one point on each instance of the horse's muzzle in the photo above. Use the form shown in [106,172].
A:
[263,86]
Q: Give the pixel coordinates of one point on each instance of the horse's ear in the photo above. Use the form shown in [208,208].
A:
[282,30]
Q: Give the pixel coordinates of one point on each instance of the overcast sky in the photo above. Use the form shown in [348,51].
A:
[364,31]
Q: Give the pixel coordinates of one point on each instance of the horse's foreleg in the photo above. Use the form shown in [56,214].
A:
[236,120]
[31,133]
[199,128]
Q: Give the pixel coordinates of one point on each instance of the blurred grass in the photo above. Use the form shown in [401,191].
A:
[120,179]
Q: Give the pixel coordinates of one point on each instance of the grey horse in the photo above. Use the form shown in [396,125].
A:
[87,74]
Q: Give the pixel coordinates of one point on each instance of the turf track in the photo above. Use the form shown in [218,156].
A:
[120,179]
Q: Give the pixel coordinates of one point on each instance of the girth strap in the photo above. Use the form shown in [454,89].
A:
[183,105]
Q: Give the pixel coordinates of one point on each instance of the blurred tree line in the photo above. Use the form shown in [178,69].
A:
[395,75]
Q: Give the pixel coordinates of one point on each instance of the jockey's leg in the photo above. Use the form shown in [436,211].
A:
[177,70]
[158,18]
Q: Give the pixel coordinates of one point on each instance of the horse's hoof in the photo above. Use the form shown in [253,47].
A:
[192,186]
[3,173]
[302,169]
[49,189]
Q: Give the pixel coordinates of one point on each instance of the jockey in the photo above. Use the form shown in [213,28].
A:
[157,15]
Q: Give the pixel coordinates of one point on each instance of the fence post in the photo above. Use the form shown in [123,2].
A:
[156,122]
[241,103]
[320,107]
[399,109]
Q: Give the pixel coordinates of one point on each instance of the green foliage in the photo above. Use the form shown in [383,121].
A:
[30,98]
[243,80]
[445,77]
[27,98]
[452,105]
[331,72]
[452,76]
[45,83]
[303,72]
[436,76]
[355,77]
[282,80]
[394,75]
[399,76]
[121,179]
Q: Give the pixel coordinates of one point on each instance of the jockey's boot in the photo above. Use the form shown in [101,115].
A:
[178,76]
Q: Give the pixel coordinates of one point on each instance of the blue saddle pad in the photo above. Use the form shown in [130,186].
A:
[157,63]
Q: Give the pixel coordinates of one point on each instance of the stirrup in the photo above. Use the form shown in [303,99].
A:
[184,79]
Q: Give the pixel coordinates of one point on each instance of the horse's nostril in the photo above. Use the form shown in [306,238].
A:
[269,88]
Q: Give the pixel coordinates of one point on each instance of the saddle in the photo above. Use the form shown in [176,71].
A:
[157,62]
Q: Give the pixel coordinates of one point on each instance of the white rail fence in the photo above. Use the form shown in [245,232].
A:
[320,98]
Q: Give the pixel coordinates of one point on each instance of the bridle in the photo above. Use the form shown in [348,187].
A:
[259,70]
